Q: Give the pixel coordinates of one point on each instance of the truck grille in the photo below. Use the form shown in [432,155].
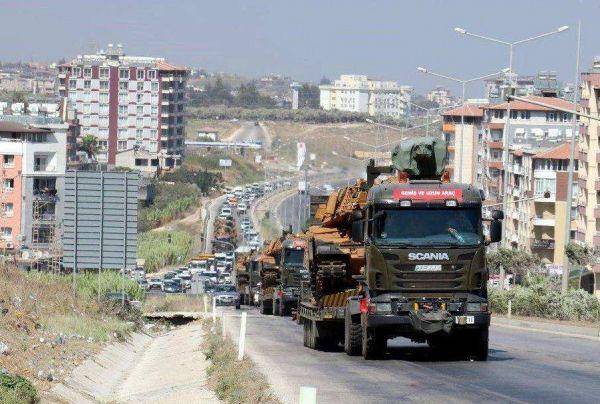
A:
[451,277]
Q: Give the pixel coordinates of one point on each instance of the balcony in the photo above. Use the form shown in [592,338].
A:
[542,244]
[544,221]
[495,145]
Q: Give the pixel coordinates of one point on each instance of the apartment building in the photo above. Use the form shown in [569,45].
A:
[441,96]
[545,84]
[464,141]
[32,168]
[132,105]
[537,202]
[358,93]
[589,175]
[531,127]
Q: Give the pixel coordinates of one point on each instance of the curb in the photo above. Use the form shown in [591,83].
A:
[590,333]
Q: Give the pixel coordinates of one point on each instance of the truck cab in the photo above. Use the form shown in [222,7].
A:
[425,274]
[293,271]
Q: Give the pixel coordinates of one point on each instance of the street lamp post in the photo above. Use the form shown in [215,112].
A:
[462,112]
[505,133]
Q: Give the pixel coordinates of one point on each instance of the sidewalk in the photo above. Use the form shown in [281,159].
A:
[549,326]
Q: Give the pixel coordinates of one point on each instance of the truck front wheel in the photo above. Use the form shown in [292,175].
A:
[373,343]
[352,336]
[275,307]
[480,345]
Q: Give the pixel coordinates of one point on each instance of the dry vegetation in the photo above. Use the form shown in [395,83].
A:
[180,303]
[46,330]
[224,127]
[322,139]
[234,381]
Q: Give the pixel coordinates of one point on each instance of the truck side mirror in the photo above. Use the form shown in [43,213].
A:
[495,230]
[357,226]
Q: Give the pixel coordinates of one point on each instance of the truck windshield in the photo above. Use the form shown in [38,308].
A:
[426,227]
[293,256]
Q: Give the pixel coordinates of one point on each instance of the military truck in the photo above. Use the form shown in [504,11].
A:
[292,272]
[404,257]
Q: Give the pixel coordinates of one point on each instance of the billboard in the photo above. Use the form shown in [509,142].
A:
[224,162]
[100,219]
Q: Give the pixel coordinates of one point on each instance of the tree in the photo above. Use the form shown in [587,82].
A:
[324,81]
[309,96]
[89,144]
[516,262]
[248,96]
[582,254]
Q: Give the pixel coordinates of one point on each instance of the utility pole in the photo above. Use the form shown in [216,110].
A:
[574,135]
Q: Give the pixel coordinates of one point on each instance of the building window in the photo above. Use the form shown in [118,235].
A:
[72,83]
[9,184]
[151,74]
[140,98]
[123,86]
[6,233]
[123,73]
[154,162]
[525,114]
[498,114]
[8,160]
[8,209]
[102,144]
[87,72]
[551,116]
[141,162]
[104,72]
[140,86]
[139,110]
[140,74]
[122,144]
[139,121]
[77,71]
[155,87]
[122,110]
[103,84]
[87,84]
[139,133]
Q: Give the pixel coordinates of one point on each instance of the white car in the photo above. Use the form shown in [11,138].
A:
[242,207]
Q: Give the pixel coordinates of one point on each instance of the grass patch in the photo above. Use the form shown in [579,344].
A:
[155,248]
[99,329]
[234,381]
[242,170]
[16,389]
[92,285]
[269,227]
[171,202]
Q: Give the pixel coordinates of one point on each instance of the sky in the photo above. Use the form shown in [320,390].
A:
[309,39]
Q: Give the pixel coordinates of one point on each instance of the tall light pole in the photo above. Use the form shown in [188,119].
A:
[462,112]
[505,133]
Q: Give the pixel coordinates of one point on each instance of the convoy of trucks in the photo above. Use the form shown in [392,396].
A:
[401,253]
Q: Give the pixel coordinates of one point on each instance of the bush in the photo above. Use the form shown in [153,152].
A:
[16,389]
[154,247]
[92,285]
[543,299]
[171,202]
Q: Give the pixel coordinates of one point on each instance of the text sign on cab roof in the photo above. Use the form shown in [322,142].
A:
[427,194]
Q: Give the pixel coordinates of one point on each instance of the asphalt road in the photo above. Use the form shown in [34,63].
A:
[524,366]
[251,131]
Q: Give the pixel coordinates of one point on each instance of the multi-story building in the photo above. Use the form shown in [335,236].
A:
[545,84]
[358,93]
[32,168]
[463,141]
[531,127]
[537,202]
[133,105]
[589,173]
[441,96]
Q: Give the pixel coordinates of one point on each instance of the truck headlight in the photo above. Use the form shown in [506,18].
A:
[477,307]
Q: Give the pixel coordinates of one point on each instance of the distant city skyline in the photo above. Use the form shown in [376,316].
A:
[308,40]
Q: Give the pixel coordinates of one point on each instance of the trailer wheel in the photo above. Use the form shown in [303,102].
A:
[263,308]
[480,345]
[352,336]
[373,344]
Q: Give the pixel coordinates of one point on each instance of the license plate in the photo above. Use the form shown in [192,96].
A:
[464,320]
[428,268]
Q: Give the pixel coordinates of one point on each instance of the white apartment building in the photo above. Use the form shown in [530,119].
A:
[128,103]
[358,93]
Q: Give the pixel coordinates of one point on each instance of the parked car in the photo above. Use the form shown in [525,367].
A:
[170,286]
[226,295]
